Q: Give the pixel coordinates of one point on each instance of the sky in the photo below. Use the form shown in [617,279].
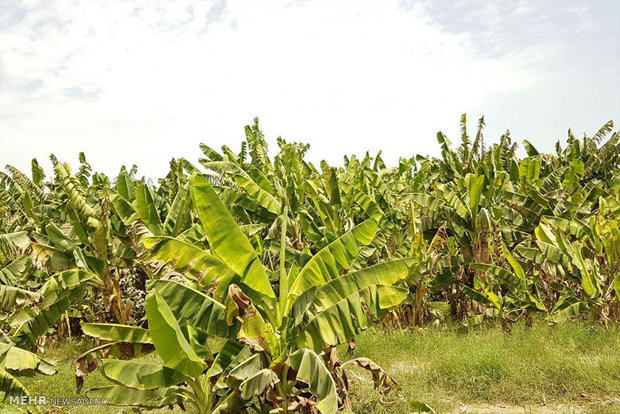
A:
[132,82]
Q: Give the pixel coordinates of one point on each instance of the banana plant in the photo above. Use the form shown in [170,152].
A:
[508,292]
[287,333]
[427,266]
[183,350]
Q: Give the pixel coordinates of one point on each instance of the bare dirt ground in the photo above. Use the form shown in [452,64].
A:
[609,406]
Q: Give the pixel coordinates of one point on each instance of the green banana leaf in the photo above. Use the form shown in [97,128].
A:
[310,368]
[168,339]
[140,375]
[329,261]
[117,333]
[120,395]
[226,239]
[193,307]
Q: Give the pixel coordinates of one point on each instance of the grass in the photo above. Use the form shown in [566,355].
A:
[571,367]
[568,365]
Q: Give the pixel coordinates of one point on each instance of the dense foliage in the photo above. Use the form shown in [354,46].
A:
[243,272]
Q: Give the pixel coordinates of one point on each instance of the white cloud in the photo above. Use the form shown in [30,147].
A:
[130,84]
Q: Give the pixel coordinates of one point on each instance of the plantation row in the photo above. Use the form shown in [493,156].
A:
[243,272]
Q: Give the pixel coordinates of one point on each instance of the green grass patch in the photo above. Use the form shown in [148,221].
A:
[571,364]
